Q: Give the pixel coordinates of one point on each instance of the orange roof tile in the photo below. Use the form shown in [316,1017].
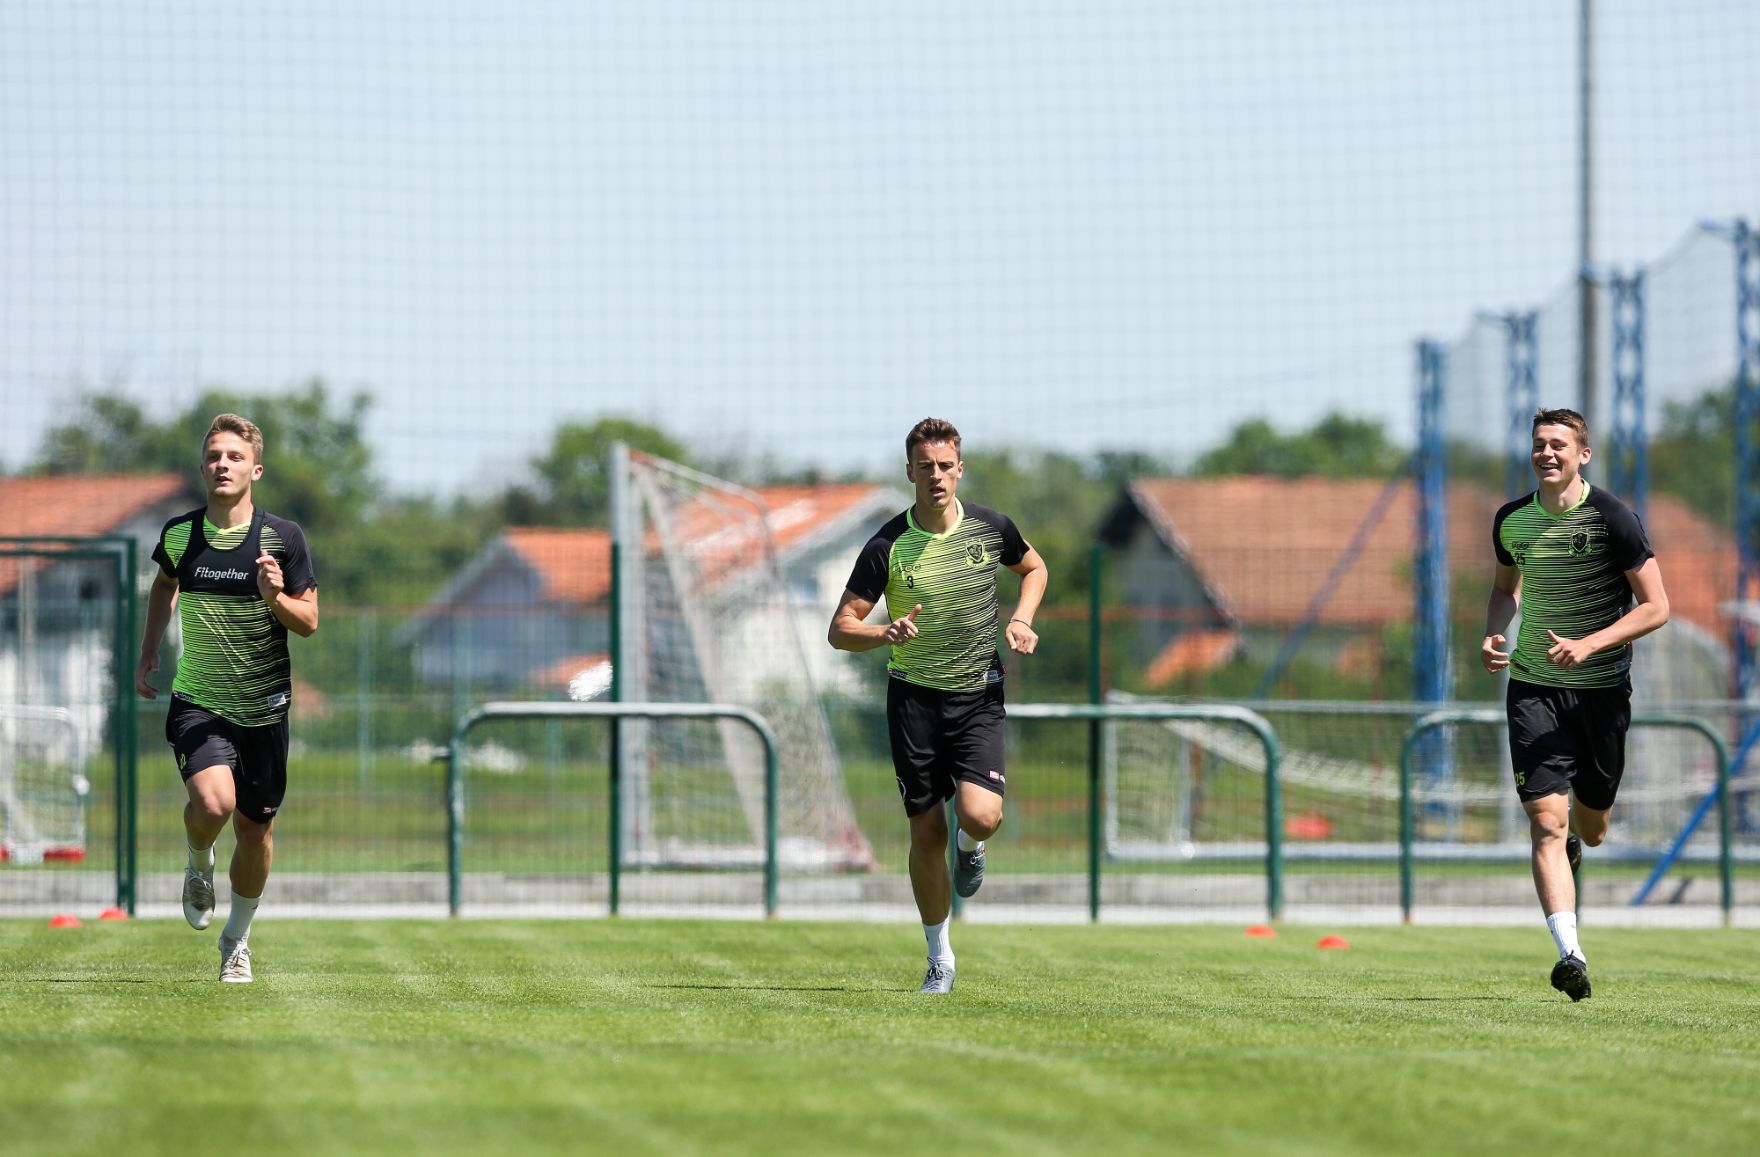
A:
[1200,650]
[81,504]
[1698,563]
[559,673]
[76,505]
[723,532]
[575,565]
[1265,545]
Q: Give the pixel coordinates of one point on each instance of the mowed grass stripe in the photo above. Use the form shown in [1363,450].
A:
[677,1037]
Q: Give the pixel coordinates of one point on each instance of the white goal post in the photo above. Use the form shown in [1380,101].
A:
[704,614]
[43,785]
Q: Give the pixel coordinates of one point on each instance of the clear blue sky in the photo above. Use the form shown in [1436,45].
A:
[798,227]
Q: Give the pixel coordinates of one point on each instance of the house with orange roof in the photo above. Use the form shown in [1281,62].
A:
[42,597]
[59,622]
[532,609]
[1209,566]
[80,505]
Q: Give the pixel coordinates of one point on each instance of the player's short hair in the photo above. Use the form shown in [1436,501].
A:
[1569,419]
[930,430]
[243,427]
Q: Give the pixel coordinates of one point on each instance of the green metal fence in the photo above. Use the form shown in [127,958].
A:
[1108,713]
[1432,722]
[615,712]
[61,596]
[1283,808]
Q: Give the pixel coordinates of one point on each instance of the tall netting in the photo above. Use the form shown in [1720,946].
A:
[707,614]
[1665,347]
[1164,265]
[1667,340]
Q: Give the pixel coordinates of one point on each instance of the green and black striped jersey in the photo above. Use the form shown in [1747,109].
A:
[953,577]
[234,660]
[1573,568]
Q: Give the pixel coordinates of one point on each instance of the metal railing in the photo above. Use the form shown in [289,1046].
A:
[1498,717]
[1103,713]
[122,552]
[613,712]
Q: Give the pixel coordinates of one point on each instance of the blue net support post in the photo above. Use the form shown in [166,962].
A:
[1430,625]
[1628,473]
[1522,356]
[1747,437]
[1718,795]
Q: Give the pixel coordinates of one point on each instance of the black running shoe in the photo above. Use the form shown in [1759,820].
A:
[1573,853]
[1571,977]
[968,871]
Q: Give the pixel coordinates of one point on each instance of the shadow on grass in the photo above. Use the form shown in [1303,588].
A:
[81,980]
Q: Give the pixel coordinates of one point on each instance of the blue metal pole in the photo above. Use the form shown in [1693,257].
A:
[1747,438]
[1628,472]
[1719,795]
[1430,626]
[1524,397]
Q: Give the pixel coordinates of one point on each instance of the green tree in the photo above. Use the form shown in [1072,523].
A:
[1335,447]
[112,434]
[318,471]
[1693,456]
[317,465]
[1057,501]
[574,477]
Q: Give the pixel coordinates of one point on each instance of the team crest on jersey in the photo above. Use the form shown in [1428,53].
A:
[1580,542]
[975,553]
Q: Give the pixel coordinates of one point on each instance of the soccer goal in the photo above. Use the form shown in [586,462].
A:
[1191,789]
[705,614]
[43,785]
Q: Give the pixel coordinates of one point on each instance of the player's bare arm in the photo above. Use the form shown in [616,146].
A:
[1500,608]
[1019,629]
[160,602]
[298,613]
[849,631]
[1650,612]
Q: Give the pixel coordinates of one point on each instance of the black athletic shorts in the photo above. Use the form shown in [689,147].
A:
[942,737]
[1569,739]
[256,755]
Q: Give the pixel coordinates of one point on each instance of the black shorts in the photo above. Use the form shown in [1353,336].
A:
[1569,739]
[256,755]
[940,738]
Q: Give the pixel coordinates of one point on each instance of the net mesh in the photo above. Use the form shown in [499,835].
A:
[43,785]
[708,617]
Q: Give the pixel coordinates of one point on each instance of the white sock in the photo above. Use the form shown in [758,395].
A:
[1563,926]
[967,843]
[202,859]
[940,946]
[238,921]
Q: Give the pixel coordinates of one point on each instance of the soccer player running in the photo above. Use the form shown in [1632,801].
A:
[240,579]
[936,566]
[1572,557]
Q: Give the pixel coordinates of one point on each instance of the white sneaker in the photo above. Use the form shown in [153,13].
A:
[198,896]
[938,979]
[235,961]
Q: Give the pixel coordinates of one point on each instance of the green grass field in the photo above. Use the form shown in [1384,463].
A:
[681,1037]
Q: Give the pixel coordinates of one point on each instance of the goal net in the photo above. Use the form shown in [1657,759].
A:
[1193,789]
[706,614]
[43,785]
